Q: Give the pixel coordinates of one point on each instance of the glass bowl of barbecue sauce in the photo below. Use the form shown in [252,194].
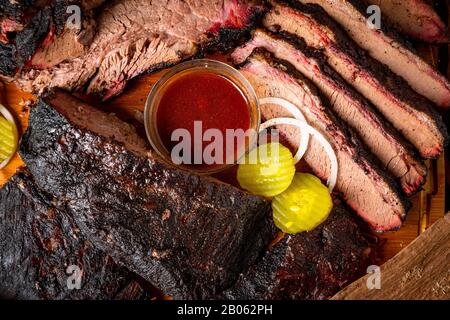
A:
[202,116]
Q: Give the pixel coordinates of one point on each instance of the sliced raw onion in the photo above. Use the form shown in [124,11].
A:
[316,134]
[304,138]
[6,114]
[9,117]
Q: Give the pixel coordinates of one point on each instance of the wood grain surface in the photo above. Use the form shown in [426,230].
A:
[420,272]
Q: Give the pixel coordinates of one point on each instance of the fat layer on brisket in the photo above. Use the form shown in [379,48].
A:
[188,235]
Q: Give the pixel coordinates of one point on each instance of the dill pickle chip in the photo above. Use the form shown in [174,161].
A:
[303,206]
[8,138]
[267,170]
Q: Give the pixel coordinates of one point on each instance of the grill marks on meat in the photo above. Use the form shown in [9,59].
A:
[385,46]
[370,192]
[38,242]
[136,36]
[190,236]
[382,140]
[415,18]
[411,114]
[309,266]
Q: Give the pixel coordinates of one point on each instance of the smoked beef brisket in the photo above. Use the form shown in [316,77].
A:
[367,189]
[133,37]
[190,236]
[415,18]
[311,265]
[395,154]
[386,46]
[34,34]
[38,242]
[411,114]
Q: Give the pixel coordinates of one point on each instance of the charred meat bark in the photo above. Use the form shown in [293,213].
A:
[415,18]
[16,15]
[385,46]
[188,235]
[382,140]
[38,245]
[311,265]
[365,187]
[411,114]
[38,36]
[137,36]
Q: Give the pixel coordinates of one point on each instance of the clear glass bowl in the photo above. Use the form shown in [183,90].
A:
[219,68]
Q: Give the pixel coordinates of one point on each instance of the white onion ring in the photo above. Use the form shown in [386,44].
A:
[316,134]
[6,114]
[304,138]
[9,117]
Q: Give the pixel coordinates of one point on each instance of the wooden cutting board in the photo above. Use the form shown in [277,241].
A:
[419,272]
[428,205]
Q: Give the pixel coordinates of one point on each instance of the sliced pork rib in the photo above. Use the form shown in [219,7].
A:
[365,187]
[415,18]
[385,46]
[382,140]
[311,265]
[189,236]
[38,244]
[411,114]
[136,36]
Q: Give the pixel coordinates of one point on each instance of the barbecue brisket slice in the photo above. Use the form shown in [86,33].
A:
[365,187]
[415,18]
[188,235]
[311,265]
[37,36]
[38,243]
[386,46]
[383,141]
[411,114]
[137,36]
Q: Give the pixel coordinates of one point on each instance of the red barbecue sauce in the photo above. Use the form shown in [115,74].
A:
[202,96]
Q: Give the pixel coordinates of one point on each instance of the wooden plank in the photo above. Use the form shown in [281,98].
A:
[421,271]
